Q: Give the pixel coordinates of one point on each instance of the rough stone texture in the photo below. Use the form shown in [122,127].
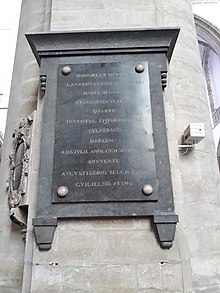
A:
[104,256]
[123,255]
[150,276]
[172,277]
[69,15]
[22,102]
[85,279]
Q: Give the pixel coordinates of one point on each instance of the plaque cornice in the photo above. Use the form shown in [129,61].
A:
[103,42]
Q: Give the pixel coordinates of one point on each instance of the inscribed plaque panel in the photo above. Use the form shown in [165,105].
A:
[104,148]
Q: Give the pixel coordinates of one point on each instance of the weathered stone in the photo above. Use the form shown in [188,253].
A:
[135,247]
[207,271]
[149,276]
[172,277]
[49,277]
[81,248]
[113,278]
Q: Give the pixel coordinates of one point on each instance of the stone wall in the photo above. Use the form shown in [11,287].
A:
[23,100]
[123,255]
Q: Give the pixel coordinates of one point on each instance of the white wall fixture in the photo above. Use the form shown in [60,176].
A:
[192,135]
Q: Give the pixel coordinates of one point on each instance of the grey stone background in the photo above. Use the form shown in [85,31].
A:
[120,255]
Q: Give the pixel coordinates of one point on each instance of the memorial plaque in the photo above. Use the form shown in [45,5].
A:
[104,151]
[104,146]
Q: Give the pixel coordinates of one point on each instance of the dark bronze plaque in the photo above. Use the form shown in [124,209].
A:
[104,148]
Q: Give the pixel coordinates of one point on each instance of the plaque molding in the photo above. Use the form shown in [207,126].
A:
[55,49]
[55,44]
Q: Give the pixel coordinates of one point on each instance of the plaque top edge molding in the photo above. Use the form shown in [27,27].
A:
[52,42]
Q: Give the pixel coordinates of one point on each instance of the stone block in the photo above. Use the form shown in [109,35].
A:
[80,247]
[132,247]
[207,289]
[206,270]
[202,214]
[134,4]
[107,224]
[204,241]
[141,18]
[172,277]
[104,278]
[160,291]
[63,20]
[118,277]
[11,267]
[70,246]
[187,276]
[176,13]
[77,4]
[94,18]
[80,278]
[149,276]
[150,291]
[9,289]
[46,277]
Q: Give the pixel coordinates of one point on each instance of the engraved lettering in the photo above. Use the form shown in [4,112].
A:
[119,150]
[80,121]
[84,173]
[74,152]
[97,93]
[103,133]
[104,161]
[104,130]
[90,84]
[127,172]
[104,151]
[119,120]
[122,183]
[101,102]
[103,111]
[102,140]
[93,184]
[101,74]
[102,172]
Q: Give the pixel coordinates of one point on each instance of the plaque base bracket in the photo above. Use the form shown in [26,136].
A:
[44,229]
[166,227]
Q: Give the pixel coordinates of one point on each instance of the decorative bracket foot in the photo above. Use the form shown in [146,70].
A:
[164,79]
[43,79]
[166,227]
[44,229]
